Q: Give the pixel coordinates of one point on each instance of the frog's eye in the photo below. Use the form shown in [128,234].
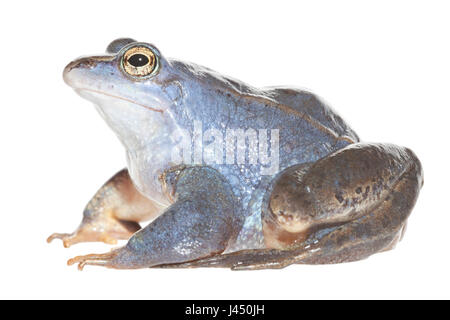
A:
[139,61]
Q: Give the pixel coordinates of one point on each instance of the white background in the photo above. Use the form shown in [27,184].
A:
[384,66]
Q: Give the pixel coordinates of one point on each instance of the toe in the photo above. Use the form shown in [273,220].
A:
[104,259]
[64,237]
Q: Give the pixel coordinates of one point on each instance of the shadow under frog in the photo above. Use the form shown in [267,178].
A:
[331,198]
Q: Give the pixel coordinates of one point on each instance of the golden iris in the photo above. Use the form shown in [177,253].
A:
[139,61]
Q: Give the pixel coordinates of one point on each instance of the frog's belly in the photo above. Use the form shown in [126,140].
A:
[249,187]
[250,235]
[144,174]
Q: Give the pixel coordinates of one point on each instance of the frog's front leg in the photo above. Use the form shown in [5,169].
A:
[200,223]
[113,213]
[344,207]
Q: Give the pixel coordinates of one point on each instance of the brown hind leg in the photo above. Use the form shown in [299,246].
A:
[345,207]
[112,214]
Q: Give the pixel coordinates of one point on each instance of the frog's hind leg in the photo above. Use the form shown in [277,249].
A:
[346,206]
[343,208]
[200,223]
[112,214]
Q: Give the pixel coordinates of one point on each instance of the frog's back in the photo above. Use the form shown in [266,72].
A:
[308,129]
[313,109]
[220,100]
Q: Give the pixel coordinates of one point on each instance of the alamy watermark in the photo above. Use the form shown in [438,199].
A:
[228,147]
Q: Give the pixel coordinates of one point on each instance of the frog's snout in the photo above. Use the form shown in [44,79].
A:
[67,69]
[80,63]
[83,63]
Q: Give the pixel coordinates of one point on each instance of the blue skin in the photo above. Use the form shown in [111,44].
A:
[227,214]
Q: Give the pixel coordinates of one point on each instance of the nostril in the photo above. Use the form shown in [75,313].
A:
[88,62]
[71,66]
[83,63]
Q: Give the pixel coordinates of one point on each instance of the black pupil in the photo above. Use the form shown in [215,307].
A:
[138,60]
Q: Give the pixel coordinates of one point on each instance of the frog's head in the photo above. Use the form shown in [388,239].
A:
[131,85]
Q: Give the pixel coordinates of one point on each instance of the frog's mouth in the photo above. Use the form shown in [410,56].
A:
[80,91]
